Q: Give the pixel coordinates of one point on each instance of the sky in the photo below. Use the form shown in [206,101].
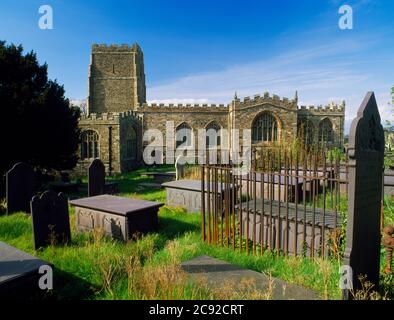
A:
[200,51]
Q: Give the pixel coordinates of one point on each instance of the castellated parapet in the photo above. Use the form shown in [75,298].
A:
[266,98]
[111,116]
[180,107]
[331,109]
[113,48]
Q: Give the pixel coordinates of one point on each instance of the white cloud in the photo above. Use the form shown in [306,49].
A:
[320,73]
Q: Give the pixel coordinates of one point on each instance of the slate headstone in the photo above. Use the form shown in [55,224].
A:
[96,178]
[21,183]
[51,224]
[366,153]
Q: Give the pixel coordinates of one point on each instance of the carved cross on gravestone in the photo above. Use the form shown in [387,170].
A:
[96,178]
[21,185]
[51,224]
[366,153]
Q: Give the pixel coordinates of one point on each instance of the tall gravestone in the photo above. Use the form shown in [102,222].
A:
[179,167]
[96,178]
[366,153]
[51,224]
[20,184]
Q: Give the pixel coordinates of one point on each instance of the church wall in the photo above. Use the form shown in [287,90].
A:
[107,127]
[283,110]
[336,114]
[128,123]
[196,116]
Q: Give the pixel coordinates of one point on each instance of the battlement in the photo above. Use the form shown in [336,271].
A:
[266,97]
[111,116]
[184,106]
[331,108]
[116,48]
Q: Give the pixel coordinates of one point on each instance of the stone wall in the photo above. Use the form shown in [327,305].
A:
[107,126]
[336,115]
[196,116]
[284,110]
[130,123]
[116,78]
[112,129]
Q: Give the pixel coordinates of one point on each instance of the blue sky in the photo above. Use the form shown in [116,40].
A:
[204,51]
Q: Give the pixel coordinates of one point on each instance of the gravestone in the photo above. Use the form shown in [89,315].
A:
[366,153]
[51,224]
[21,183]
[96,178]
[180,168]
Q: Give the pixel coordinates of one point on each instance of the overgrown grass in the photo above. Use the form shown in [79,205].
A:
[96,267]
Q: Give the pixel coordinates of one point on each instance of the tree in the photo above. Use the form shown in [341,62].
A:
[38,126]
[392,95]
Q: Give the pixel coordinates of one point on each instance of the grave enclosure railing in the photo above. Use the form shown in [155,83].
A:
[291,203]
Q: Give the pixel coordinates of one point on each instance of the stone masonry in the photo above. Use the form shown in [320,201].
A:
[118,113]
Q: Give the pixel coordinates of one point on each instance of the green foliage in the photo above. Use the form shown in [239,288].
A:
[336,153]
[38,125]
[388,210]
[95,267]
[392,95]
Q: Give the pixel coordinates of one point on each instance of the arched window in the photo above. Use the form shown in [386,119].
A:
[306,131]
[213,135]
[326,133]
[131,143]
[265,128]
[90,145]
[183,135]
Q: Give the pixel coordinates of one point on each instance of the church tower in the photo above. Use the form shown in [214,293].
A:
[116,78]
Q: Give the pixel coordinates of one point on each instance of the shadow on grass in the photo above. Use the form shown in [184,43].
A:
[65,286]
[173,228]
[70,287]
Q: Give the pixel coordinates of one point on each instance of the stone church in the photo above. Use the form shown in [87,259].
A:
[117,114]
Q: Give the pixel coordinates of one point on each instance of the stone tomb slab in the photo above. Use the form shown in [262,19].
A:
[120,218]
[218,273]
[160,177]
[266,229]
[187,194]
[18,271]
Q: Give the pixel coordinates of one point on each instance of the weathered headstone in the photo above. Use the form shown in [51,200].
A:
[366,153]
[51,224]
[179,167]
[21,183]
[96,178]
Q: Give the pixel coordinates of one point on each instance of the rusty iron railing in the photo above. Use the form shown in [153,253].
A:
[287,202]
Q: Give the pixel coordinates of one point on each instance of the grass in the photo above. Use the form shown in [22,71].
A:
[96,267]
